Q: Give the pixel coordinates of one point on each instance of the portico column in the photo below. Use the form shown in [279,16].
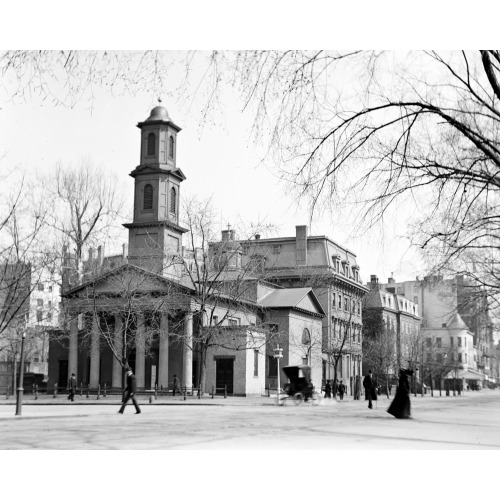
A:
[95,353]
[140,351]
[163,354]
[187,365]
[116,377]
[73,347]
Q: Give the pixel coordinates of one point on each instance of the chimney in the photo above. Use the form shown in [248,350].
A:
[124,251]
[257,236]
[391,280]
[373,285]
[301,245]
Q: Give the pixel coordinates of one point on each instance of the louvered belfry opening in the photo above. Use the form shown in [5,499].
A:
[151,144]
[148,197]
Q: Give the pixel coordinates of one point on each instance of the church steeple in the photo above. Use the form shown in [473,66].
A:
[155,234]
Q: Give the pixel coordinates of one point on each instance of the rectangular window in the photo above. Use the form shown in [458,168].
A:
[276,248]
[428,342]
[256,363]
[459,341]
[232,322]
[39,316]
[40,287]
[334,302]
[439,357]
[340,301]
[345,303]
[39,302]
[459,357]
[50,288]
[451,341]
[465,341]
[273,327]
[438,341]
[215,320]
[49,316]
[465,357]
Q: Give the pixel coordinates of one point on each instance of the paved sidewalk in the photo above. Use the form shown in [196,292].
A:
[149,399]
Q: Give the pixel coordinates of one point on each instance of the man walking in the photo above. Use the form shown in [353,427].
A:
[177,386]
[341,390]
[72,387]
[368,385]
[129,392]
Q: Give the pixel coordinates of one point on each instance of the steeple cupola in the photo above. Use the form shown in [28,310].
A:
[155,234]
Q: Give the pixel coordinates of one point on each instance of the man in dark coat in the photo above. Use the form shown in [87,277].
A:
[369,386]
[401,406]
[72,387]
[328,389]
[129,392]
[341,389]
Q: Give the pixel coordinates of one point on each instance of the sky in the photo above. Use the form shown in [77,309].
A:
[219,158]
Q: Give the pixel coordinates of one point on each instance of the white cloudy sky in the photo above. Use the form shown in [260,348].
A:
[219,160]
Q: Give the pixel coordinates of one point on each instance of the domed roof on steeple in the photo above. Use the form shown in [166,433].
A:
[158,113]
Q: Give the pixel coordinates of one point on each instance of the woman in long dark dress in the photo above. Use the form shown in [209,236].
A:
[401,406]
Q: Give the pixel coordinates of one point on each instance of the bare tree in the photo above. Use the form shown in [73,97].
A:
[224,302]
[379,346]
[86,206]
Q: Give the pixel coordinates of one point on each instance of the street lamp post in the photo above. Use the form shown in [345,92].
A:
[278,354]
[20,389]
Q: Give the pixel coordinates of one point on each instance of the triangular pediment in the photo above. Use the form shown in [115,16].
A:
[122,280]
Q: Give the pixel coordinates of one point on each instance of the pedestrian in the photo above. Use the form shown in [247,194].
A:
[341,390]
[177,386]
[401,405]
[328,389]
[389,387]
[72,387]
[369,386]
[129,392]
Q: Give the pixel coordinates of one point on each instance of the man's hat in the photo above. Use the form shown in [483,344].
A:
[72,374]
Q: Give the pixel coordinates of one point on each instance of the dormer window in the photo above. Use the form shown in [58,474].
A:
[171,147]
[173,200]
[151,144]
[148,197]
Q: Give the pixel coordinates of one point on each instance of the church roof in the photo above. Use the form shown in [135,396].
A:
[292,298]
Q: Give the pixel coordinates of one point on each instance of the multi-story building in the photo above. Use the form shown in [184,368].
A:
[456,322]
[30,301]
[398,319]
[332,272]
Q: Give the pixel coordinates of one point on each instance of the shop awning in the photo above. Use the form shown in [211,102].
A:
[466,374]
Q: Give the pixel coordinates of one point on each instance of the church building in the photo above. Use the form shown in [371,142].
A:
[200,315]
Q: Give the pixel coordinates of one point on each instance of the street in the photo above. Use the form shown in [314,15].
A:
[468,422]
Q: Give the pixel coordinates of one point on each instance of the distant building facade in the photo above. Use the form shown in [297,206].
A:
[332,272]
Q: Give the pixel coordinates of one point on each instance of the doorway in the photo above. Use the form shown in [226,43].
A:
[224,372]
[62,382]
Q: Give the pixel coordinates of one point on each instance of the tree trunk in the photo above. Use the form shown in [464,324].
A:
[203,368]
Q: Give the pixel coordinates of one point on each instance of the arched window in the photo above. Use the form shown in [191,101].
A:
[148,197]
[151,144]
[173,200]
[306,337]
[171,147]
